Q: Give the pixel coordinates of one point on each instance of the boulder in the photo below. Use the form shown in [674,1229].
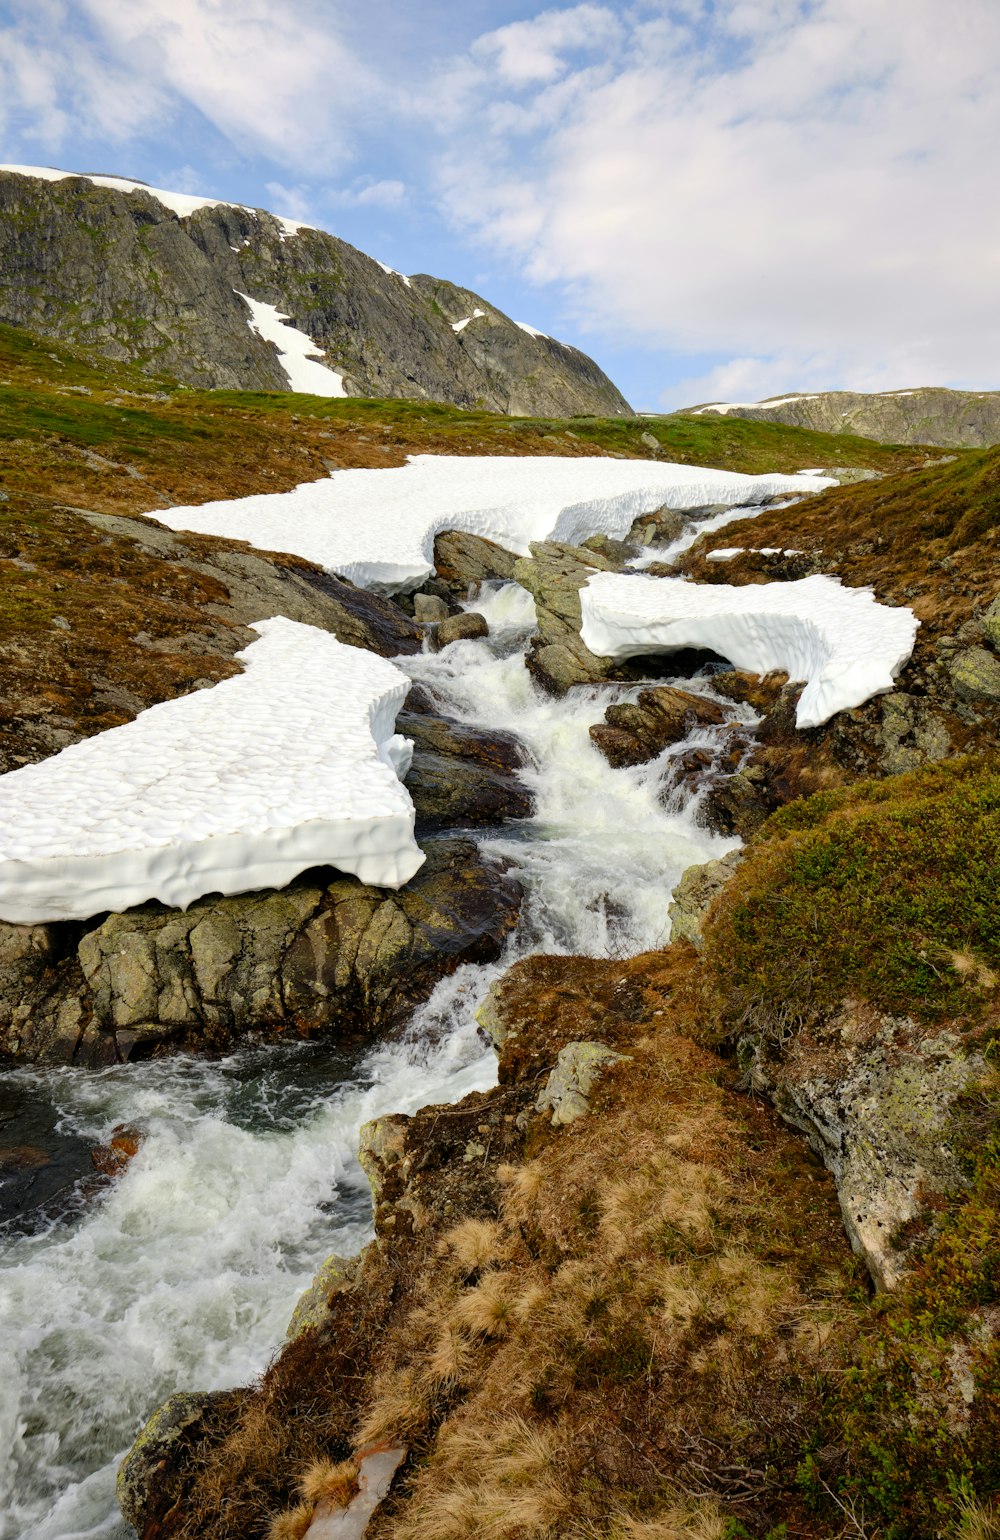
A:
[463,561]
[694,894]
[881,1100]
[461,776]
[990,621]
[633,734]
[569,1087]
[160,1449]
[975,675]
[337,1275]
[324,955]
[466,627]
[554,575]
[429,608]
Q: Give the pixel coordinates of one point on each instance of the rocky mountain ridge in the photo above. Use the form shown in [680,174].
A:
[927,415]
[175,285]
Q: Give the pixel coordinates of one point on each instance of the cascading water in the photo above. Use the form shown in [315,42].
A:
[185,1272]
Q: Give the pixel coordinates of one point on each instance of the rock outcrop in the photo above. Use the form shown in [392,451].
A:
[122,274]
[554,574]
[324,955]
[631,734]
[950,418]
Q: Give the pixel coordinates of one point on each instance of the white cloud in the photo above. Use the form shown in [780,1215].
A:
[367,193]
[802,187]
[273,76]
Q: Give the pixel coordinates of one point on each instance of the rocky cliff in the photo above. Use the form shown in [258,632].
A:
[951,418]
[125,273]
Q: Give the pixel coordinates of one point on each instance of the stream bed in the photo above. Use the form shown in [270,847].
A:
[184,1273]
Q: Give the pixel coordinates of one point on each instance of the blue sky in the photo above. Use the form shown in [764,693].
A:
[718,199]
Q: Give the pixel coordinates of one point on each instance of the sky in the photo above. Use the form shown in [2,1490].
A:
[717,199]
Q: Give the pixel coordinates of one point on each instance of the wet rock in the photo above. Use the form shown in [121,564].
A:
[975,675]
[569,1087]
[461,776]
[110,1159]
[466,627]
[337,1275]
[381,1145]
[159,1448]
[632,734]
[695,893]
[881,1101]
[554,575]
[324,955]
[659,527]
[464,561]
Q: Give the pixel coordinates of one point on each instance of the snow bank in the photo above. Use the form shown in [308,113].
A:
[297,350]
[181,204]
[532,331]
[394,272]
[377,527]
[845,645]
[291,764]
[459,326]
[722,407]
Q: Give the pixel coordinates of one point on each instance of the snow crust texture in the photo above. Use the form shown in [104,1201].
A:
[297,350]
[377,527]
[291,764]
[841,641]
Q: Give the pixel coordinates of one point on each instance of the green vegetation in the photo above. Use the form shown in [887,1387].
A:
[885,891]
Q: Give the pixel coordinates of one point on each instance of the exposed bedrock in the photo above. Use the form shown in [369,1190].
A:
[463,561]
[325,955]
[885,1103]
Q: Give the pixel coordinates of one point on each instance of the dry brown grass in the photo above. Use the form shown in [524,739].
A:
[292,1524]
[330,1481]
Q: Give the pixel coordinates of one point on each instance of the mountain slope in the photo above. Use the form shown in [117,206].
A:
[950,418]
[182,286]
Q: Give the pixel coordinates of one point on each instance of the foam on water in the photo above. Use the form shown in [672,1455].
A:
[184,1275]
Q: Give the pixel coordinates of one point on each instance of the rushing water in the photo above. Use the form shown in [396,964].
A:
[184,1273]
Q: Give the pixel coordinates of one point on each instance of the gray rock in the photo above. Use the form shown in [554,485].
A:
[336,1276]
[990,621]
[160,1444]
[123,275]
[975,675]
[467,627]
[464,561]
[320,956]
[381,1145]
[659,527]
[951,418]
[910,734]
[881,1101]
[694,894]
[554,574]
[428,607]
[571,1083]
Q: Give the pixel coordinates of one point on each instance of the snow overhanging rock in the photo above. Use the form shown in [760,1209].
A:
[291,764]
[377,527]
[844,644]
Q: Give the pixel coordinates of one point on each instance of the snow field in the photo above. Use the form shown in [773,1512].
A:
[377,527]
[291,764]
[845,645]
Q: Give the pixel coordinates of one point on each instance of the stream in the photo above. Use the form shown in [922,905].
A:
[184,1273]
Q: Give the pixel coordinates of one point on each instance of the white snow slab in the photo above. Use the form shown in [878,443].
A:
[459,326]
[297,350]
[394,273]
[845,645]
[181,204]
[291,764]
[377,527]
[532,330]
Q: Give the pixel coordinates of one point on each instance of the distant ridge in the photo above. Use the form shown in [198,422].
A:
[924,415]
[222,296]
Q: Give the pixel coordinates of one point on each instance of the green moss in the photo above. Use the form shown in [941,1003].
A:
[886,891]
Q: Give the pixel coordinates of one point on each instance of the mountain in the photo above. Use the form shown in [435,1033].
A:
[200,290]
[929,415]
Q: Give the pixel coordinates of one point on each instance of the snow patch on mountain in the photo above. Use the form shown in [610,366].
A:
[297,350]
